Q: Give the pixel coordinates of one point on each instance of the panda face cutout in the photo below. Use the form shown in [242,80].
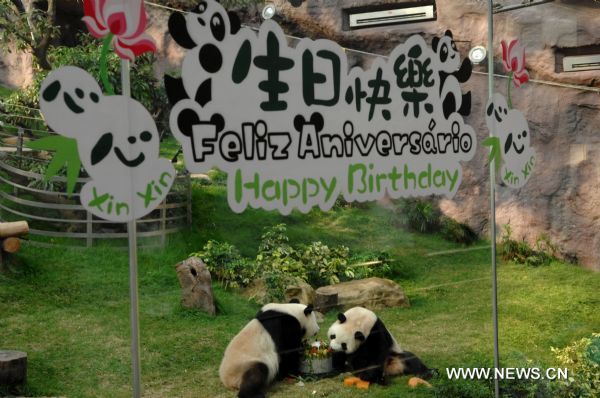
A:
[448,54]
[128,142]
[69,97]
[208,19]
[497,110]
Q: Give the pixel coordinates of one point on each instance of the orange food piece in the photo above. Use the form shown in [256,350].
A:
[414,382]
[363,385]
[350,381]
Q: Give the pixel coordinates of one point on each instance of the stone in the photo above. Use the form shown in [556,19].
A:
[13,368]
[301,291]
[257,290]
[372,293]
[196,282]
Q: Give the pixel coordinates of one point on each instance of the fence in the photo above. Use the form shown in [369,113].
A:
[56,219]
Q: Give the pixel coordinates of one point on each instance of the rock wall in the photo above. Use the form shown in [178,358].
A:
[562,198]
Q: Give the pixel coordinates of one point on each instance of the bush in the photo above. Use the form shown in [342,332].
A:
[457,232]
[227,265]
[144,86]
[419,215]
[445,388]
[280,264]
[582,358]
[520,252]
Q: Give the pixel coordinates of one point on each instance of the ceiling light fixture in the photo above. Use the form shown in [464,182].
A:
[477,55]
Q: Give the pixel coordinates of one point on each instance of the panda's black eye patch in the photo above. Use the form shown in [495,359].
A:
[332,337]
[444,52]
[94,97]
[454,46]
[201,7]
[79,92]
[146,136]
[217,27]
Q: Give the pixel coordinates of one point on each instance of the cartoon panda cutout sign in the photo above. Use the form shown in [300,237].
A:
[117,141]
[512,131]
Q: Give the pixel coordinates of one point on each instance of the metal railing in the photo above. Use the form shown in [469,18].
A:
[56,219]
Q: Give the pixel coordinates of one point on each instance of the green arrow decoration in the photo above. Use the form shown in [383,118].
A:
[495,152]
[65,154]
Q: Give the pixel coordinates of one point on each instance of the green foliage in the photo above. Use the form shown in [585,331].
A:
[144,86]
[521,252]
[445,388]
[582,358]
[226,264]
[419,215]
[281,264]
[457,232]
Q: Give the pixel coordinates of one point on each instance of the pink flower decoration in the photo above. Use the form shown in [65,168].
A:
[513,59]
[125,19]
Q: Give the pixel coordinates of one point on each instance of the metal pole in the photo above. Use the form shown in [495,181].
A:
[133,270]
[493,201]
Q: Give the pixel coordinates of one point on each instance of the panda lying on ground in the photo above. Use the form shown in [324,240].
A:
[269,346]
[360,339]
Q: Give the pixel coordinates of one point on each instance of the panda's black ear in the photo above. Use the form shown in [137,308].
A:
[341,317]
[178,29]
[308,310]
[294,301]
[359,336]
[234,22]
[434,43]
[449,34]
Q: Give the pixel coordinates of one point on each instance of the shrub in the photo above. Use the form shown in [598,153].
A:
[457,232]
[445,388]
[420,215]
[582,358]
[522,253]
[280,264]
[226,264]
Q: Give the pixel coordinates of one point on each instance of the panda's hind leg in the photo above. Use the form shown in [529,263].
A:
[254,381]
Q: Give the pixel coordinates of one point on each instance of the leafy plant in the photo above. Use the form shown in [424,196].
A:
[417,214]
[226,263]
[457,232]
[521,252]
[582,358]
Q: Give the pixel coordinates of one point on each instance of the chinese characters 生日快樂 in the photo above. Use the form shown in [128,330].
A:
[294,128]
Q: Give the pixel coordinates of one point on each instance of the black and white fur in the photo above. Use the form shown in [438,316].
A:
[268,347]
[360,339]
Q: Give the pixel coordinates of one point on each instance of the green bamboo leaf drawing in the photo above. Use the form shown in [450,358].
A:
[65,154]
[495,152]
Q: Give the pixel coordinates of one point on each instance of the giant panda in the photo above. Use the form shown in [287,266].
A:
[268,347]
[360,339]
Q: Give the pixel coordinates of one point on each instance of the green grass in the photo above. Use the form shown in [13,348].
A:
[5,91]
[69,309]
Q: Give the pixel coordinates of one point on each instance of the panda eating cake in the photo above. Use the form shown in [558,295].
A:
[360,339]
[268,347]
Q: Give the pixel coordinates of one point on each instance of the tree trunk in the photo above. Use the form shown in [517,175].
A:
[325,300]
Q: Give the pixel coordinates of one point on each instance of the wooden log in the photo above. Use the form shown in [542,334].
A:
[13,368]
[12,229]
[11,245]
[325,300]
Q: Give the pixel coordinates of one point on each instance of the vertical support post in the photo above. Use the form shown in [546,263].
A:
[133,271]
[163,222]
[188,180]
[89,229]
[493,201]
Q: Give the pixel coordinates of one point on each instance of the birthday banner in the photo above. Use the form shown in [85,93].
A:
[295,127]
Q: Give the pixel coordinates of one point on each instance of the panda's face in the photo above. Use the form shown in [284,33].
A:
[208,22]
[342,337]
[448,54]
[351,329]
